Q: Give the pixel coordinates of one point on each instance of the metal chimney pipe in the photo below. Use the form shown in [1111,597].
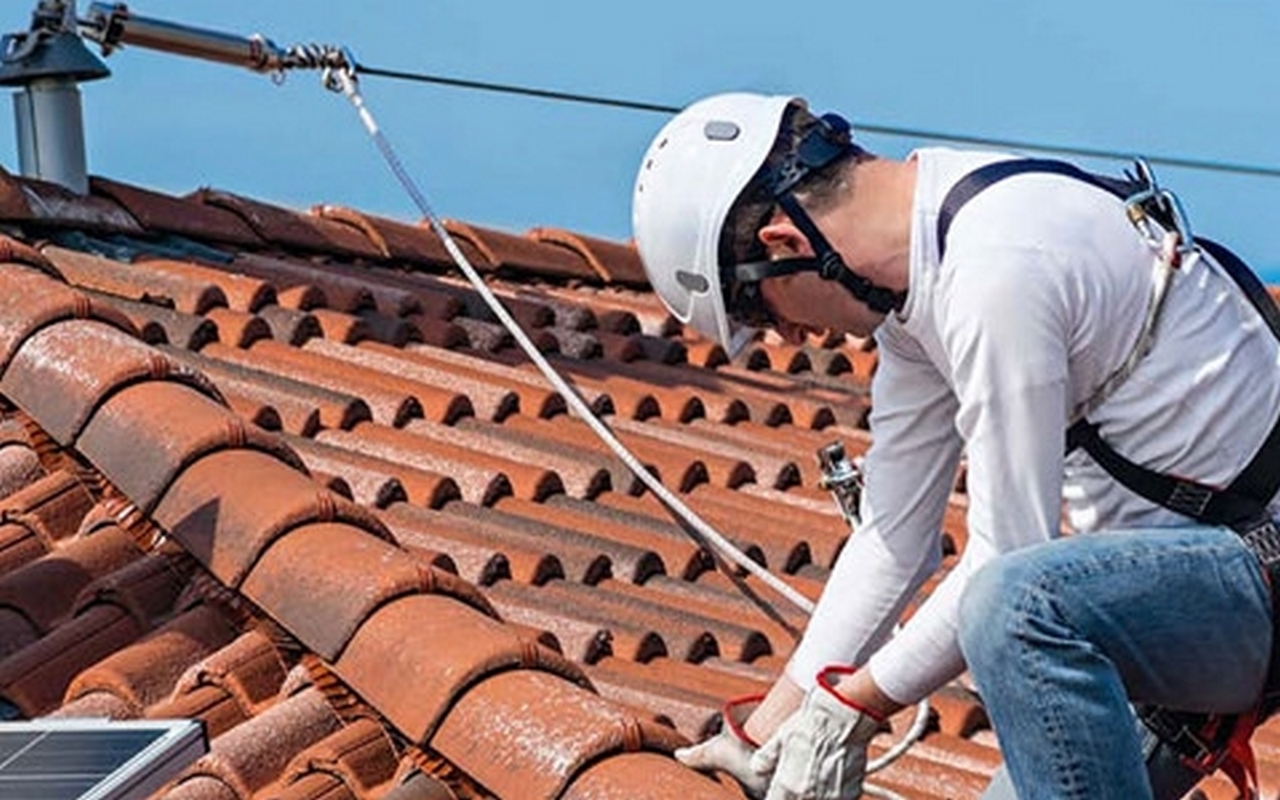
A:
[47,63]
[51,133]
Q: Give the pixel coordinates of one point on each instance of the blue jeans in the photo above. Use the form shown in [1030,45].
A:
[1062,637]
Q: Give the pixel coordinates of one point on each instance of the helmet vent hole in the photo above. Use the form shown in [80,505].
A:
[721,131]
[692,281]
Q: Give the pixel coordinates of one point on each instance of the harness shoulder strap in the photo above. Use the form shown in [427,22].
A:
[973,183]
[1246,499]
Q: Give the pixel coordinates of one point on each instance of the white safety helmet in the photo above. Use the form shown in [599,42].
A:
[696,167]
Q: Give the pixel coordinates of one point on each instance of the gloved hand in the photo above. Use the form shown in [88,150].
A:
[820,752]
[730,750]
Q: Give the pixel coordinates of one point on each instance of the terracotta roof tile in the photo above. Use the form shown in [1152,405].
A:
[395,386]
[145,673]
[543,752]
[161,325]
[288,325]
[53,505]
[393,240]
[35,677]
[516,253]
[289,230]
[250,756]
[483,562]
[643,776]
[229,538]
[31,200]
[321,581]
[367,474]
[161,212]
[45,591]
[303,407]
[481,476]
[610,261]
[358,758]
[187,293]
[583,633]
[680,555]
[415,656]
[390,405]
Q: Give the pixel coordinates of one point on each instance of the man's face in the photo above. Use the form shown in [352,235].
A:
[804,302]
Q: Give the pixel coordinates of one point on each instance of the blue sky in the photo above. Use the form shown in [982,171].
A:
[1197,78]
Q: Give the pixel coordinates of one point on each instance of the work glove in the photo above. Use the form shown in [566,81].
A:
[730,750]
[820,752]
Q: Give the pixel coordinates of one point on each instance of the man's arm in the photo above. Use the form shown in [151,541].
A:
[1006,332]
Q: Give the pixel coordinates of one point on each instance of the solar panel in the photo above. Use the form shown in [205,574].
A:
[79,759]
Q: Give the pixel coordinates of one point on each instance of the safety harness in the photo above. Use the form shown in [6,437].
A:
[1203,742]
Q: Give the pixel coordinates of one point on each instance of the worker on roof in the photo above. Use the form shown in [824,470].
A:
[1012,301]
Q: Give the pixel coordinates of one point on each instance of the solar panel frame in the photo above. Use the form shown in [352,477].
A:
[95,759]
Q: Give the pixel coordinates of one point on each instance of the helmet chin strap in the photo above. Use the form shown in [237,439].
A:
[826,261]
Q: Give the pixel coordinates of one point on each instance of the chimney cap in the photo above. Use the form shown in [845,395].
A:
[60,54]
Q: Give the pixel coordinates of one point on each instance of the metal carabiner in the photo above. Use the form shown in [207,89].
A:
[1156,211]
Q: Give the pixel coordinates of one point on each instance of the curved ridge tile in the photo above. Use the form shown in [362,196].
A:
[45,590]
[63,372]
[289,229]
[161,212]
[644,776]
[35,677]
[322,581]
[148,433]
[145,673]
[191,295]
[56,504]
[29,301]
[360,757]
[57,205]
[248,671]
[549,729]
[403,242]
[13,251]
[228,506]
[510,251]
[613,262]
[416,655]
[249,757]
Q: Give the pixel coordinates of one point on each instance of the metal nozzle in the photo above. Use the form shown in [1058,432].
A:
[842,478]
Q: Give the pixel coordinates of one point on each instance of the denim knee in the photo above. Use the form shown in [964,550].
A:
[989,613]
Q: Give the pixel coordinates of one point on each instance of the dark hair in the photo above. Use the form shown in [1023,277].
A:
[818,191]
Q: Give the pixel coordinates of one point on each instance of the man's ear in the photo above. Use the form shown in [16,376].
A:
[781,237]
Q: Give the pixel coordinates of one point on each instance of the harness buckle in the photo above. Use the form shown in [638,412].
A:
[1189,498]
[1156,211]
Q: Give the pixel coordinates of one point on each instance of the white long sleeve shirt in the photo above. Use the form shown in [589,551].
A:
[1040,297]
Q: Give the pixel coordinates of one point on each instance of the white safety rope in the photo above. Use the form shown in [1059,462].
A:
[344,81]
